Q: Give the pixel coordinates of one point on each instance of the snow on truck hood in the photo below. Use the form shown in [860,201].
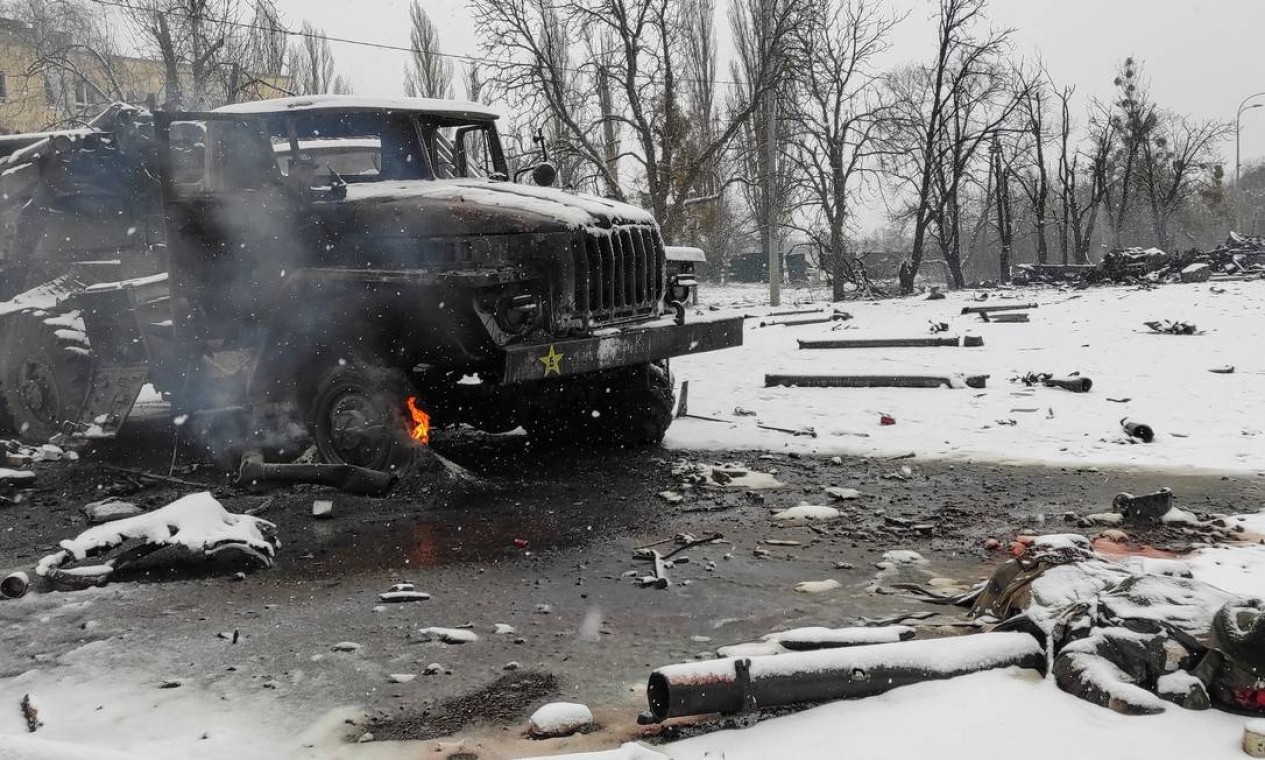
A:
[438,107]
[572,210]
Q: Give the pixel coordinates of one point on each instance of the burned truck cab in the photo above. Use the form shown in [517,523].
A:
[378,257]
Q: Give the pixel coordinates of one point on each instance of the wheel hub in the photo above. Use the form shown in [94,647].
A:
[359,428]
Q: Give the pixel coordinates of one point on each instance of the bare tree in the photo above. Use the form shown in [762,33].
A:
[1083,179]
[311,65]
[429,74]
[1134,118]
[473,81]
[1175,165]
[644,71]
[75,55]
[946,112]
[1034,179]
[836,117]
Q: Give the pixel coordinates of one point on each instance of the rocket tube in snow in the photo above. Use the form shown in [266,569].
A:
[14,585]
[737,684]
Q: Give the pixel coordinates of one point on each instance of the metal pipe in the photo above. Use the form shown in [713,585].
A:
[991,309]
[14,585]
[1073,384]
[871,381]
[345,477]
[970,341]
[737,684]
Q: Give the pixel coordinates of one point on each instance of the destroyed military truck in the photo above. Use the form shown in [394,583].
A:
[358,269]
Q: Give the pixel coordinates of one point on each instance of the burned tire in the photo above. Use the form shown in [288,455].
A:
[638,410]
[630,407]
[358,415]
[45,372]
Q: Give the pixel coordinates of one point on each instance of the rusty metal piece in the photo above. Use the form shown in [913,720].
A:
[1149,507]
[969,341]
[991,309]
[725,686]
[1005,318]
[345,477]
[871,381]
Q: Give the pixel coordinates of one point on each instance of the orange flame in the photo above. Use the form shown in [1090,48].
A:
[421,422]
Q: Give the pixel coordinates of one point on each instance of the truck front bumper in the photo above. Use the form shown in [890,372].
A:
[619,347]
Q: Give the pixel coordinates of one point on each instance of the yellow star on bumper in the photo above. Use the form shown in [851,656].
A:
[552,361]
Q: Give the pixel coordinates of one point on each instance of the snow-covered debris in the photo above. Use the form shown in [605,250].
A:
[732,475]
[449,635]
[842,494]
[109,510]
[196,523]
[816,637]
[560,719]
[904,557]
[817,587]
[401,677]
[346,646]
[403,592]
[15,476]
[804,514]
[503,629]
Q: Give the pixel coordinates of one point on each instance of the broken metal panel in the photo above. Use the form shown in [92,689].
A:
[628,346]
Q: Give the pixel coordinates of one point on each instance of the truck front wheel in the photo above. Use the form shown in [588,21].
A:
[630,407]
[359,416]
[45,370]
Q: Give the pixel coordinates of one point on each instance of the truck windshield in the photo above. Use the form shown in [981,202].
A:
[377,146]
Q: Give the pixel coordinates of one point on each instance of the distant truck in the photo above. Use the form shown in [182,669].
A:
[364,268]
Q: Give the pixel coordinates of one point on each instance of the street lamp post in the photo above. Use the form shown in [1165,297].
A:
[1238,129]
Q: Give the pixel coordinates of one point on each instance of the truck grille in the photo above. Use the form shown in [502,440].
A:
[619,274]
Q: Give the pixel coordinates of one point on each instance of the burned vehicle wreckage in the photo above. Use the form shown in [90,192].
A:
[367,269]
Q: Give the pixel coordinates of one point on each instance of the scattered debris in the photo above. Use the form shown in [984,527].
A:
[322,509]
[812,638]
[403,592]
[886,419]
[1139,430]
[842,494]
[197,524]
[433,669]
[449,635]
[1199,272]
[504,629]
[671,497]
[401,677]
[1016,317]
[346,646]
[15,585]
[876,381]
[818,587]
[560,719]
[108,510]
[1225,370]
[1254,738]
[1150,507]
[1170,327]
[741,412]
[731,475]
[805,514]
[31,714]
[14,476]
[1074,382]
[968,341]
[804,432]
[989,310]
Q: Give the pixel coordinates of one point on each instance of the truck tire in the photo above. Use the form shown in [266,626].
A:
[358,416]
[44,376]
[631,408]
[638,411]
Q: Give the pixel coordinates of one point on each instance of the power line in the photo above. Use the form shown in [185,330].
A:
[278,28]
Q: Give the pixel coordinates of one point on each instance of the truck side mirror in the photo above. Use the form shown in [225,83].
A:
[544,174]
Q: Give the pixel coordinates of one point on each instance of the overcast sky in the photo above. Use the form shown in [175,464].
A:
[1203,57]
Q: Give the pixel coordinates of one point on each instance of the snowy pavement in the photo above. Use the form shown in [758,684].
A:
[1203,420]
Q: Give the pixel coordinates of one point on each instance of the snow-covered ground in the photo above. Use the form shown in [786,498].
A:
[1202,420]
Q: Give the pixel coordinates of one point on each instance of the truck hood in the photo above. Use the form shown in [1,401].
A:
[440,208]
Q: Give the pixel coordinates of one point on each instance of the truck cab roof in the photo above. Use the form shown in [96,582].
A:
[341,103]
